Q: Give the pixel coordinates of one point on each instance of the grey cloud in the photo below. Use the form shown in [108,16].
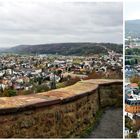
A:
[39,21]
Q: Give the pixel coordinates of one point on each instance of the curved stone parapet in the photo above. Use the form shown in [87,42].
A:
[64,112]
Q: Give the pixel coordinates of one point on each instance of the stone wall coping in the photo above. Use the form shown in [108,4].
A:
[58,96]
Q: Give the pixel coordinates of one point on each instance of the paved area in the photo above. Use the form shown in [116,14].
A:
[110,125]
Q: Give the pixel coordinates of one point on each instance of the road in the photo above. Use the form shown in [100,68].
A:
[110,125]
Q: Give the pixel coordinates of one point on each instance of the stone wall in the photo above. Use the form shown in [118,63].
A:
[111,95]
[60,113]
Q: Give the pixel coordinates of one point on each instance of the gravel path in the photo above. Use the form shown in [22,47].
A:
[110,125]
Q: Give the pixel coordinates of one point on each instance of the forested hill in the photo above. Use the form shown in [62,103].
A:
[68,48]
[132,28]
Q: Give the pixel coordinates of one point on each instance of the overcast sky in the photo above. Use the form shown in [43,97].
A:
[39,21]
[132,9]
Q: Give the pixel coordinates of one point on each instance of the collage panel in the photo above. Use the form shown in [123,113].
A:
[62,72]
[132,69]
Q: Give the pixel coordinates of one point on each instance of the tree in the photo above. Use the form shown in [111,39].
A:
[133,135]
[139,84]
[135,79]
[9,92]
[136,61]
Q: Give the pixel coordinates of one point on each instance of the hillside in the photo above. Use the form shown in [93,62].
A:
[132,28]
[68,48]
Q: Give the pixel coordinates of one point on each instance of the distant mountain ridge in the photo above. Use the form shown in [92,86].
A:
[132,28]
[68,48]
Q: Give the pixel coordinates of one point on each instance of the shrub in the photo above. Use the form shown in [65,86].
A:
[9,92]
[41,88]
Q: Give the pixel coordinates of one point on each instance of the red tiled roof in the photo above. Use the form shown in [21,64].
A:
[134,85]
